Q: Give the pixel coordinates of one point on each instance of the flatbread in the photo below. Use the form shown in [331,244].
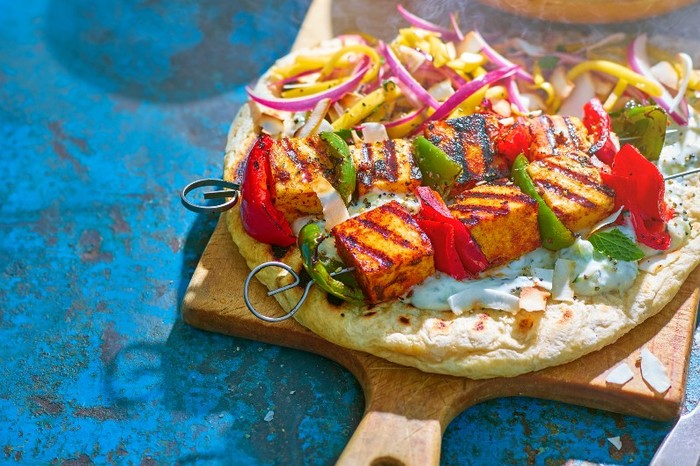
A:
[479,344]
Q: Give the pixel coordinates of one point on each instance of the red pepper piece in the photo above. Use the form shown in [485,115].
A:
[442,237]
[513,140]
[259,216]
[639,186]
[465,248]
[597,122]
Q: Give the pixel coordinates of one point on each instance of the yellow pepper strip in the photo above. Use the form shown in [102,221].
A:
[402,130]
[617,91]
[694,82]
[604,66]
[438,50]
[469,105]
[366,106]
[381,113]
[364,49]
[552,101]
[311,88]
[304,63]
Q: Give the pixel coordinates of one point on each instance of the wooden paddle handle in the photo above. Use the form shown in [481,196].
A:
[389,439]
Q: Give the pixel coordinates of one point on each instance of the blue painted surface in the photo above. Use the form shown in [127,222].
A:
[106,110]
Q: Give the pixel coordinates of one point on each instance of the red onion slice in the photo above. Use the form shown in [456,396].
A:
[639,62]
[499,59]
[421,23]
[467,90]
[405,77]
[299,104]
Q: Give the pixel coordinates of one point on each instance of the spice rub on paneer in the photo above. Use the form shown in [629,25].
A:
[386,166]
[574,189]
[387,248]
[469,141]
[295,163]
[554,135]
[501,218]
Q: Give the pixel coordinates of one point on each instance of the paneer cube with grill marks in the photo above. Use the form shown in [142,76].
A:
[295,164]
[469,141]
[554,135]
[385,166]
[388,250]
[574,189]
[501,218]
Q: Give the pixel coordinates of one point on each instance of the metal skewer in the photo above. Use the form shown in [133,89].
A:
[678,175]
[295,283]
[231,190]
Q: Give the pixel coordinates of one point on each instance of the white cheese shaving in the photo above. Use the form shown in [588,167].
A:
[562,290]
[620,375]
[616,441]
[654,372]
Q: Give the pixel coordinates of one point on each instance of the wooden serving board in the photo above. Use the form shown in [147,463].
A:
[408,410]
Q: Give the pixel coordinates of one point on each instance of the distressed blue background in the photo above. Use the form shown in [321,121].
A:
[106,110]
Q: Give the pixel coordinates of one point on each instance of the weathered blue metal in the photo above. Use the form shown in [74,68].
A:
[106,110]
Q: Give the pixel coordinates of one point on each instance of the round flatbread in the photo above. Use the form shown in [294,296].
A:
[479,344]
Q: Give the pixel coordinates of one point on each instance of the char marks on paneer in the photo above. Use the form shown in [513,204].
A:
[554,135]
[573,188]
[295,163]
[501,218]
[387,249]
[469,141]
[385,166]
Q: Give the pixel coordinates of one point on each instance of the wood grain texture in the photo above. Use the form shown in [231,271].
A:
[407,410]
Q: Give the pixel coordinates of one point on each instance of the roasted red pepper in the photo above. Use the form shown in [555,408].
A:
[442,237]
[513,140]
[451,241]
[259,216]
[639,187]
[597,122]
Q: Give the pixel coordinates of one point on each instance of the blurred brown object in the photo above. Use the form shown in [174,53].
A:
[588,11]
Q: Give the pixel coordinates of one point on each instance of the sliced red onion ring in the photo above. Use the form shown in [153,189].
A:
[427,25]
[639,62]
[499,59]
[514,95]
[405,77]
[299,104]
[470,88]
[455,26]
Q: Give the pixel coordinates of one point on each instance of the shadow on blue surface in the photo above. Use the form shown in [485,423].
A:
[143,49]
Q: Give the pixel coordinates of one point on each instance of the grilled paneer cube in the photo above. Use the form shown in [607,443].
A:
[556,135]
[573,188]
[501,218]
[386,166]
[295,163]
[469,141]
[388,250]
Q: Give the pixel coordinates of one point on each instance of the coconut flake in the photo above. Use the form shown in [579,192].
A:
[374,132]
[533,299]
[334,210]
[562,290]
[620,375]
[654,372]
[616,441]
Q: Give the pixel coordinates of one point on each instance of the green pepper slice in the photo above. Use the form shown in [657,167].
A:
[439,171]
[310,237]
[345,171]
[553,232]
[643,126]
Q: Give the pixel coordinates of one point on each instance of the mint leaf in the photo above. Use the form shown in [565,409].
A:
[616,245]
[548,62]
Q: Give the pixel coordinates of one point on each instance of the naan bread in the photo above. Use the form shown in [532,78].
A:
[480,344]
